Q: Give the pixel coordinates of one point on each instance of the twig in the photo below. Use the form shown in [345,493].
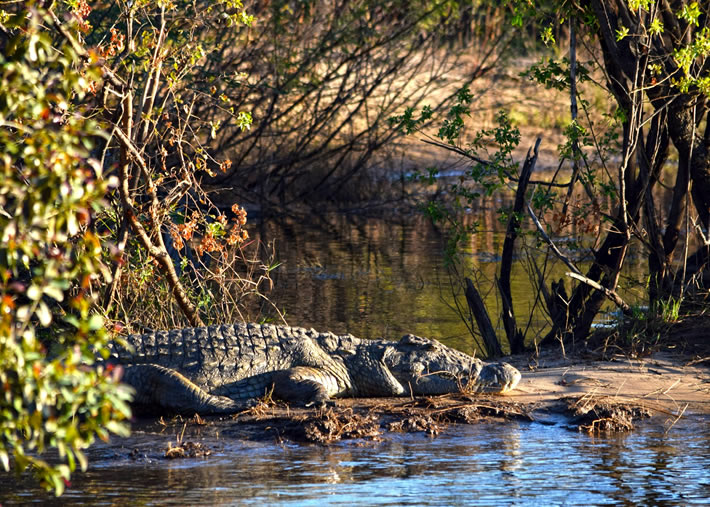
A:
[671,387]
[696,361]
[680,414]
[610,294]
[549,242]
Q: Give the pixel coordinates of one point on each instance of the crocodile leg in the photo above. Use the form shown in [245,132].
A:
[372,376]
[157,385]
[496,378]
[306,384]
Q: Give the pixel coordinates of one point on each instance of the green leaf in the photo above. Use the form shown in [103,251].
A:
[621,33]
[120,429]
[54,290]
[656,27]
[33,292]
[96,322]
[690,13]
[43,314]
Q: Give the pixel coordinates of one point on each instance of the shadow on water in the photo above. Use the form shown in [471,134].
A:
[483,464]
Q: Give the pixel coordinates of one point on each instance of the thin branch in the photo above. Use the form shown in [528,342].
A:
[158,252]
[610,294]
[485,162]
[552,246]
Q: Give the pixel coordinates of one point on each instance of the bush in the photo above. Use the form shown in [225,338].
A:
[50,258]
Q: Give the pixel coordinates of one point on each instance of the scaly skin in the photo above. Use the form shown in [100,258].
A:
[221,369]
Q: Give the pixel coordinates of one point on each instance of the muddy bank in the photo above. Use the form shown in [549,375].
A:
[578,393]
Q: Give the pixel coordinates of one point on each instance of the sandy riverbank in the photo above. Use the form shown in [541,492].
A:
[663,381]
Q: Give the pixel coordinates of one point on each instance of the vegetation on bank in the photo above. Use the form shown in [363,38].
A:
[51,260]
[99,194]
[651,59]
[119,120]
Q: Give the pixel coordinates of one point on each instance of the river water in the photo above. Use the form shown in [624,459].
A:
[507,463]
[384,277]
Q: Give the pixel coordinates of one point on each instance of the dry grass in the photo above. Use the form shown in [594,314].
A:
[187,449]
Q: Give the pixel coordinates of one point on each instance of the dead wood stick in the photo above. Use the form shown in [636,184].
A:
[610,294]
[478,309]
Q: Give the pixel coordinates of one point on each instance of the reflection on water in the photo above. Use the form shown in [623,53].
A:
[377,277]
[370,277]
[484,464]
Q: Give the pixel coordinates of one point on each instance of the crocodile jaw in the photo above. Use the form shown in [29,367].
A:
[496,378]
[491,378]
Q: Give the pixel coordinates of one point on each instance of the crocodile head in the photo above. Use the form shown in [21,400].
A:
[425,366]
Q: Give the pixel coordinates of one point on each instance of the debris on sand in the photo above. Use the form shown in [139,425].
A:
[425,423]
[331,425]
[603,414]
[187,450]
[429,415]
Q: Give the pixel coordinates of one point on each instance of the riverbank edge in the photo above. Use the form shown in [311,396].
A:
[578,392]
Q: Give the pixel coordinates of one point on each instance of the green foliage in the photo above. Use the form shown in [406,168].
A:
[453,124]
[406,122]
[622,33]
[687,57]
[548,38]
[656,27]
[487,174]
[50,259]
[690,13]
[555,74]
[641,4]
[669,309]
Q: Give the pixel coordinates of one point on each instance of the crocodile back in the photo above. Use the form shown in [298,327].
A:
[209,356]
[215,356]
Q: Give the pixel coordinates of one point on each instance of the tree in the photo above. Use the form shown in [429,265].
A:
[654,60]
[660,50]
[175,246]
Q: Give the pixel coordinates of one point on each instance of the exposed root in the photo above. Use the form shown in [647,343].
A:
[603,414]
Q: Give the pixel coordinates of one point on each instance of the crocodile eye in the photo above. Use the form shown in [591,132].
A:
[418,341]
[417,369]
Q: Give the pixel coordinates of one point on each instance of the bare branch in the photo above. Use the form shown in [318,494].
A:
[610,294]
[552,246]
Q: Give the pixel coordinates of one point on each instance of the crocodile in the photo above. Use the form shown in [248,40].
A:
[225,368]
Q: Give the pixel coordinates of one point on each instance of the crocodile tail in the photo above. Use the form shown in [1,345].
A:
[157,385]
